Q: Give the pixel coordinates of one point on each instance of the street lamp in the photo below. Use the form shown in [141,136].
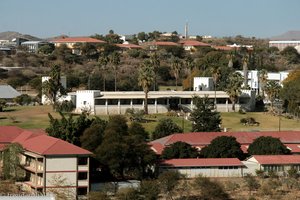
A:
[278,103]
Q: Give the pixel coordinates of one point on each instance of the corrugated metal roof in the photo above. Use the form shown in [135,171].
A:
[8,92]
[277,159]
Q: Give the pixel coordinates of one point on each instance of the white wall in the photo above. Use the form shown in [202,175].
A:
[85,100]
[45,99]
[203,84]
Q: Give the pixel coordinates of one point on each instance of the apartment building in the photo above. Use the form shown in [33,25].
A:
[49,164]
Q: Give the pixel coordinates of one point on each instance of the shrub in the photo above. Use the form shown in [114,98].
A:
[64,106]
[23,99]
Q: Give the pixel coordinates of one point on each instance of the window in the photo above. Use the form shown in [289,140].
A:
[82,191]
[82,161]
[82,175]
[125,101]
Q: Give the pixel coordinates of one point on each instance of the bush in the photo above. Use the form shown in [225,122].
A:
[23,99]
[65,106]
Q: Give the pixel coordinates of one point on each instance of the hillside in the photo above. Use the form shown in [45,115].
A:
[9,35]
[290,35]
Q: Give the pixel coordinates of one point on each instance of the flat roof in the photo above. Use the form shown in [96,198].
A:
[205,162]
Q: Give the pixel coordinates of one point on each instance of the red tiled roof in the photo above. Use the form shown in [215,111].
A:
[277,159]
[192,162]
[224,48]
[38,142]
[9,133]
[129,46]
[77,39]
[193,43]
[244,138]
[295,148]
[164,43]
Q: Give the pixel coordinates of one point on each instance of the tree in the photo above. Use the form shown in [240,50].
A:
[272,89]
[103,61]
[68,128]
[216,74]
[189,64]
[155,63]
[209,189]
[2,104]
[204,117]
[92,136]
[179,150]
[234,88]
[176,67]
[124,153]
[136,129]
[167,182]
[11,161]
[245,71]
[223,147]
[262,78]
[46,49]
[145,79]
[61,187]
[267,146]
[53,88]
[114,61]
[164,128]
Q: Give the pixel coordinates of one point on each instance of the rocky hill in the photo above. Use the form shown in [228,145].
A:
[9,35]
[290,35]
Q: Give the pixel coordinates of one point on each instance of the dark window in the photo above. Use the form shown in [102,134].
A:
[82,191]
[99,101]
[151,101]
[82,175]
[162,101]
[82,161]
[186,101]
[112,101]
[137,101]
[125,101]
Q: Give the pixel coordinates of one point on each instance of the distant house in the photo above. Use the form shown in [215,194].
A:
[279,164]
[128,46]
[208,167]
[8,93]
[284,43]
[71,41]
[47,161]
[160,44]
[191,45]
[34,46]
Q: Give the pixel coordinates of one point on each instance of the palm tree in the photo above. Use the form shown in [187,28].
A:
[272,89]
[230,62]
[155,62]
[114,61]
[245,71]
[234,88]
[189,64]
[262,78]
[216,74]
[176,67]
[103,61]
[145,79]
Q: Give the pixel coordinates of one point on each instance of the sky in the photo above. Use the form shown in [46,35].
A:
[219,18]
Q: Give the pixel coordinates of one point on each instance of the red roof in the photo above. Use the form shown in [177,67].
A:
[38,142]
[9,133]
[77,39]
[277,159]
[224,48]
[244,138]
[164,43]
[194,43]
[295,148]
[192,162]
[129,46]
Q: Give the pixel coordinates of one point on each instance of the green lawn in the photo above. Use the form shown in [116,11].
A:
[32,117]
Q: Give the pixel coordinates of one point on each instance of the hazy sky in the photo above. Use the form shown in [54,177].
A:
[47,18]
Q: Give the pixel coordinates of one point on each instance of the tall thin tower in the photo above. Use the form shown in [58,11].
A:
[186,30]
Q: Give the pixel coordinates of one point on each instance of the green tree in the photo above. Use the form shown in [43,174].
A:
[155,63]
[167,183]
[176,66]
[53,88]
[68,128]
[164,128]
[114,61]
[138,130]
[291,55]
[145,79]
[204,117]
[2,104]
[190,64]
[92,136]
[223,147]
[216,74]
[267,146]
[179,150]
[234,88]
[208,189]
[262,78]
[46,49]
[11,161]
[272,90]
[103,61]
[23,99]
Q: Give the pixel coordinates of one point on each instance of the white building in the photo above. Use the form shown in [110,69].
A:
[253,77]
[284,43]
[208,167]
[111,103]
[203,84]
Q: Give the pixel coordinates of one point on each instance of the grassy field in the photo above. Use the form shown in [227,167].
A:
[31,117]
